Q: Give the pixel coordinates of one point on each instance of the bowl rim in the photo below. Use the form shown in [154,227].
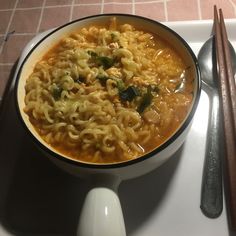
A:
[115,164]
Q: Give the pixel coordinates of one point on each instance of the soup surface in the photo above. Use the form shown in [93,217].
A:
[108,93]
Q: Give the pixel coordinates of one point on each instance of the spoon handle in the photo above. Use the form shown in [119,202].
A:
[211,196]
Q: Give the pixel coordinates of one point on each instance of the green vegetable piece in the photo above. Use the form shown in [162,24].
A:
[146,100]
[113,36]
[120,85]
[102,79]
[92,53]
[56,93]
[129,94]
[106,62]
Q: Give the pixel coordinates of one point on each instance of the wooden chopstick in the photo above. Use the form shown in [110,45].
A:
[227,93]
[228,61]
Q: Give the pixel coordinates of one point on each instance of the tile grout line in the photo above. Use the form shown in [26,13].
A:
[102,7]
[133,7]
[8,26]
[19,34]
[34,8]
[41,16]
[165,10]
[72,10]
[199,9]
[128,3]
[6,64]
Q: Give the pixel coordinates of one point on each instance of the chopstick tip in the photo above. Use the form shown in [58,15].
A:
[215,10]
[221,14]
[216,19]
[215,13]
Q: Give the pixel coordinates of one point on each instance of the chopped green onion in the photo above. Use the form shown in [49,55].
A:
[92,53]
[113,36]
[106,62]
[56,92]
[120,85]
[146,100]
[102,79]
[129,94]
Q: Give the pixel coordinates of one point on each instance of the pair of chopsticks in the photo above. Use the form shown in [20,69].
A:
[227,91]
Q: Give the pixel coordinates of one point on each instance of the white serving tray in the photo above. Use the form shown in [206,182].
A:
[36,198]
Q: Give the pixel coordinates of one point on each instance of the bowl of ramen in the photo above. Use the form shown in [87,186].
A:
[108,97]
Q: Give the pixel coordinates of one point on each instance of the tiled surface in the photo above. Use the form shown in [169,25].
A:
[4,19]
[57,2]
[85,10]
[12,48]
[157,12]
[25,21]
[53,17]
[5,4]
[175,7]
[118,8]
[228,6]
[21,20]
[28,3]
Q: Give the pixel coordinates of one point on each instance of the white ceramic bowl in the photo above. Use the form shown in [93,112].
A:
[102,207]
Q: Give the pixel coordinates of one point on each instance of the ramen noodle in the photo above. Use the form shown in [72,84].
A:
[108,94]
